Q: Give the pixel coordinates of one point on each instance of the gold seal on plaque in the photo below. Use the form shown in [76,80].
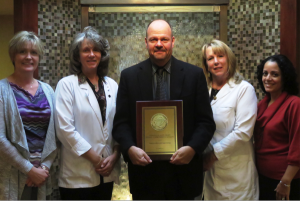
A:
[159,121]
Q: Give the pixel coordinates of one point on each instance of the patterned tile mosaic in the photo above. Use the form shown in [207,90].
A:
[58,22]
[253,34]
[126,32]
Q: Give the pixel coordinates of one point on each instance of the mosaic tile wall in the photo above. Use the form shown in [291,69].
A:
[59,21]
[253,34]
[126,32]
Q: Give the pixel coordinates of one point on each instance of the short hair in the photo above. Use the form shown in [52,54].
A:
[92,35]
[220,47]
[288,72]
[159,20]
[20,39]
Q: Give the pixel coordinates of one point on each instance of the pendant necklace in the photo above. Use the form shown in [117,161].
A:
[96,87]
[214,93]
[30,85]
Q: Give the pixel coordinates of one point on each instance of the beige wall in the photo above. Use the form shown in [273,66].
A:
[6,33]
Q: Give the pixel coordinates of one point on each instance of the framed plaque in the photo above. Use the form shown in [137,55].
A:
[159,127]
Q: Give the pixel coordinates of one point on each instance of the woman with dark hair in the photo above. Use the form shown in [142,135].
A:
[277,130]
[27,134]
[85,107]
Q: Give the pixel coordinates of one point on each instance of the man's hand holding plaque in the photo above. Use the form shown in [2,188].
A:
[138,156]
[183,156]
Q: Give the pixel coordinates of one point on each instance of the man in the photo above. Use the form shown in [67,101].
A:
[181,177]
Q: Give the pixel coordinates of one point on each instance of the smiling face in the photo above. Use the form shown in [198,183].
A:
[217,64]
[159,42]
[26,59]
[272,78]
[90,56]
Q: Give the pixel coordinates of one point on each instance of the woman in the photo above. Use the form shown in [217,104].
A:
[27,135]
[85,107]
[229,160]
[277,130]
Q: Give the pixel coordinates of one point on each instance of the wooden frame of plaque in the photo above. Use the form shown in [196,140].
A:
[159,127]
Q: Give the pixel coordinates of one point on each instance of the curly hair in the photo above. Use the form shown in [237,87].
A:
[92,35]
[289,75]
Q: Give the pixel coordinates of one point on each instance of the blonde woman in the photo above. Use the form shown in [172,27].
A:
[27,135]
[229,159]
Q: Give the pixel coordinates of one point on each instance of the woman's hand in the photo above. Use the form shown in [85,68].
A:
[282,192]
[108,164]
[29,183]
[37,177]
[208,160]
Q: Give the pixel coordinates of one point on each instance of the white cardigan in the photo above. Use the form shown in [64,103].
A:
[233,176]
[79,127]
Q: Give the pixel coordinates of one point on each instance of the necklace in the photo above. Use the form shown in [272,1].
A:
[31,84]
[96,87]
[214,93]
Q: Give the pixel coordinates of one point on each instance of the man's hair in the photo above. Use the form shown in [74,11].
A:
[159,20]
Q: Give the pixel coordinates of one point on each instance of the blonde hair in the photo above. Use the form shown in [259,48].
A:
[219,47]
[20,39]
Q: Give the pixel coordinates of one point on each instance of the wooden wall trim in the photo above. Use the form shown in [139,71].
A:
[26,18]
[84,17]
[158,2]
[223,24]
[26,15]
[290,32]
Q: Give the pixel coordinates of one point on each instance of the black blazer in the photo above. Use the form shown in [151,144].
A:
[187,83]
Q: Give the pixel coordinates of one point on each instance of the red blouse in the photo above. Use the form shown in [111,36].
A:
[277,136]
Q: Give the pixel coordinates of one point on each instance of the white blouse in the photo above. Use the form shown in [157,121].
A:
[233,176]
[79,127]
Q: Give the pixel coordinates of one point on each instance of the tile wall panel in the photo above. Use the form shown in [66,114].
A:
[59,21]
[253,34]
